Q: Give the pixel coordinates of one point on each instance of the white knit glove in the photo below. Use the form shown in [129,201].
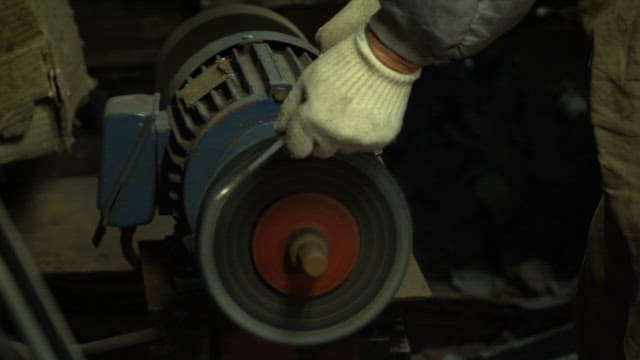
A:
[346,22]
[345,101]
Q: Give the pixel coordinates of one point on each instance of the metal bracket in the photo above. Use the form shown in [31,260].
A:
[210,78]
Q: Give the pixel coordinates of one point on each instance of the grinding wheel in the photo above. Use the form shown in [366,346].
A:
[229,226]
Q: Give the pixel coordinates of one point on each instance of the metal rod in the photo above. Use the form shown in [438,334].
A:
[22,315]
[11,349]
[120,341]
[28,299]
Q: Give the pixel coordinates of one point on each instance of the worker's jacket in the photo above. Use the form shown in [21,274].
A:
[608,303]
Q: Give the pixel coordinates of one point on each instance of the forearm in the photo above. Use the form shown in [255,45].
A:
[393,27]
[427,31]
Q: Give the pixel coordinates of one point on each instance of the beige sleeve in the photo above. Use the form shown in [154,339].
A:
[591,10]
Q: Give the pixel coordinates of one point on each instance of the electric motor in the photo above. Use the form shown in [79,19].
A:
[299,252]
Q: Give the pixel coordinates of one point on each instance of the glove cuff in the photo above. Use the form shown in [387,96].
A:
[365,53]
[357,73]
[368,94]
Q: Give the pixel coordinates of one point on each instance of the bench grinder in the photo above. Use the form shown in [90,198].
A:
[300,252]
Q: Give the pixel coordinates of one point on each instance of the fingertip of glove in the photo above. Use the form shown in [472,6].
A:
[299,144]
[322,148]
[297,152]
[280,125]
[323,153]
[319,38]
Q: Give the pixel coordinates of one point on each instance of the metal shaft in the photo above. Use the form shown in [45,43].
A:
[309,252]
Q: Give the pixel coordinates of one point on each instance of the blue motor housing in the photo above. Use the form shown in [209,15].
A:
[127,183]
[226,104]
[223,99]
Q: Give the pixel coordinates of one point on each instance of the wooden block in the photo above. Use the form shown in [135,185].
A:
[41,62]
[41,138]
[414,286]
[159,292]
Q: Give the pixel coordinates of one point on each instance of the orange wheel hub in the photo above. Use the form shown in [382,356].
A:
[303,212]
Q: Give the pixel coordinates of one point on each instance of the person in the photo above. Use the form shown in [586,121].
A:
[353,98]
[608,305]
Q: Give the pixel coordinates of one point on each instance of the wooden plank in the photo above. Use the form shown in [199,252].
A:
[41,138]
[24,77]
[18,25]
[72,83]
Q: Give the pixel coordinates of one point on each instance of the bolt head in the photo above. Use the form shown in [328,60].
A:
[280,94]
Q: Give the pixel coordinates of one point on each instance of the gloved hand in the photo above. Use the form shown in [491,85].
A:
[345,101]
[355,14]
